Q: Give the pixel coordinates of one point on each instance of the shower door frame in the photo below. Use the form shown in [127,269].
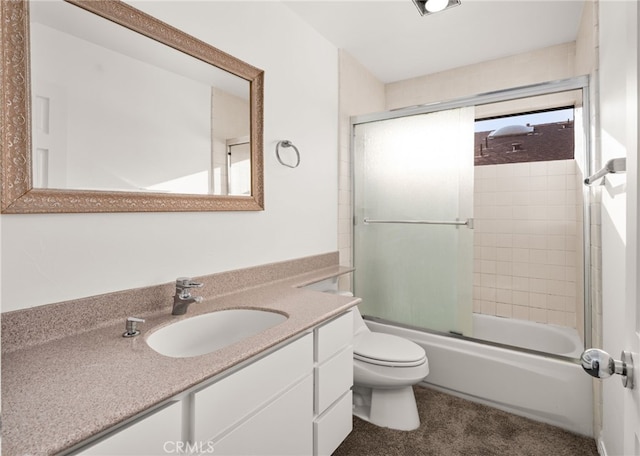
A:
[545,88]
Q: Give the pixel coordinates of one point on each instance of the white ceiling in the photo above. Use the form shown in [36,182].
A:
[392,40]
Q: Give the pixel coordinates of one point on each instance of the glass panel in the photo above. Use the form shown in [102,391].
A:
[529,242]
[415,168]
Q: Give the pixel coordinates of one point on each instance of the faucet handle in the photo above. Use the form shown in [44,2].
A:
[187,282]
[132,327]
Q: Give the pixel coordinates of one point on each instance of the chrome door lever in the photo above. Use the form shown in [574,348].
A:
[600,364]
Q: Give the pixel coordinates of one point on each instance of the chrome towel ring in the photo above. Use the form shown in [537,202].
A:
[287,143]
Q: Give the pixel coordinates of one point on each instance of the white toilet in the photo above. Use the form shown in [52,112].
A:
[385,368]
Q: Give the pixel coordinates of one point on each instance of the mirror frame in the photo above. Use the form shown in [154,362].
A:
[18,194]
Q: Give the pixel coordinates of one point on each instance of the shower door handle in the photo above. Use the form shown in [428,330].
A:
[600,364]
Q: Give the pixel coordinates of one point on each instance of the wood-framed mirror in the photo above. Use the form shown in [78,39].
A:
[29,184]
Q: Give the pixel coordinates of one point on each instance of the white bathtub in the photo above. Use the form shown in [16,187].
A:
[553,339]
[542,388]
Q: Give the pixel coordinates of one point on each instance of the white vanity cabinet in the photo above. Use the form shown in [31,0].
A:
[295,400]
[157,433]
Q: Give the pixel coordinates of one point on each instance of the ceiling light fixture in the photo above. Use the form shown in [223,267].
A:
[433,6]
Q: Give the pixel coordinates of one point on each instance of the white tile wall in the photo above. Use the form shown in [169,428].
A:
[528,247]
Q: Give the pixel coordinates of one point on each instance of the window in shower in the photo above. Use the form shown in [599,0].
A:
[526,137]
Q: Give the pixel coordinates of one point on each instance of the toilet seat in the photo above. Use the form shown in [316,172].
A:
[387,350]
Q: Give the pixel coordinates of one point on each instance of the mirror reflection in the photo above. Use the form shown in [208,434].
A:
[113,110]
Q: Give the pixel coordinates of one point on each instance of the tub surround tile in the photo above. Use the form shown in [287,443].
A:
[533,215]
[66,389]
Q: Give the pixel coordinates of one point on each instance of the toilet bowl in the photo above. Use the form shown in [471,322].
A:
[385,368]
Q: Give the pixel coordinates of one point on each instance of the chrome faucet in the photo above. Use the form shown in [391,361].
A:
[183,297]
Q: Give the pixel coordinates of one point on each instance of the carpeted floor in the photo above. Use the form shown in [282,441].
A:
[450,426]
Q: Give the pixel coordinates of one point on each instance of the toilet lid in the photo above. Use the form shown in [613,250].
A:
[387,350]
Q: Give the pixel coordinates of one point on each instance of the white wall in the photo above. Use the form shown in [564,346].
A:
[542,65]
[51,258]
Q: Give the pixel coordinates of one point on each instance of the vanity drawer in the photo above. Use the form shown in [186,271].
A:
[333,336]
[333,378]
[282,428]
[333,426]
[233,398]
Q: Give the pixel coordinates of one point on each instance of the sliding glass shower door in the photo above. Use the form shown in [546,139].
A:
[413,237]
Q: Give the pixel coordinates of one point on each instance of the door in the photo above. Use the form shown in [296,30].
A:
[413,242]
[239,167]
[632,302]
[618,54]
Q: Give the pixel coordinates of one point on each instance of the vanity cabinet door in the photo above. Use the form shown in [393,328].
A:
[229,402]
[334,377]
[158,433]
[333,426]
[283,428]
[333,337]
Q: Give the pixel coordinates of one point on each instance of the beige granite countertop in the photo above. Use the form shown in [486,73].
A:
[62,392]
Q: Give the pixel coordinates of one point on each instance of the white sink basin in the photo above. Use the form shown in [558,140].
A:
[209,332]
